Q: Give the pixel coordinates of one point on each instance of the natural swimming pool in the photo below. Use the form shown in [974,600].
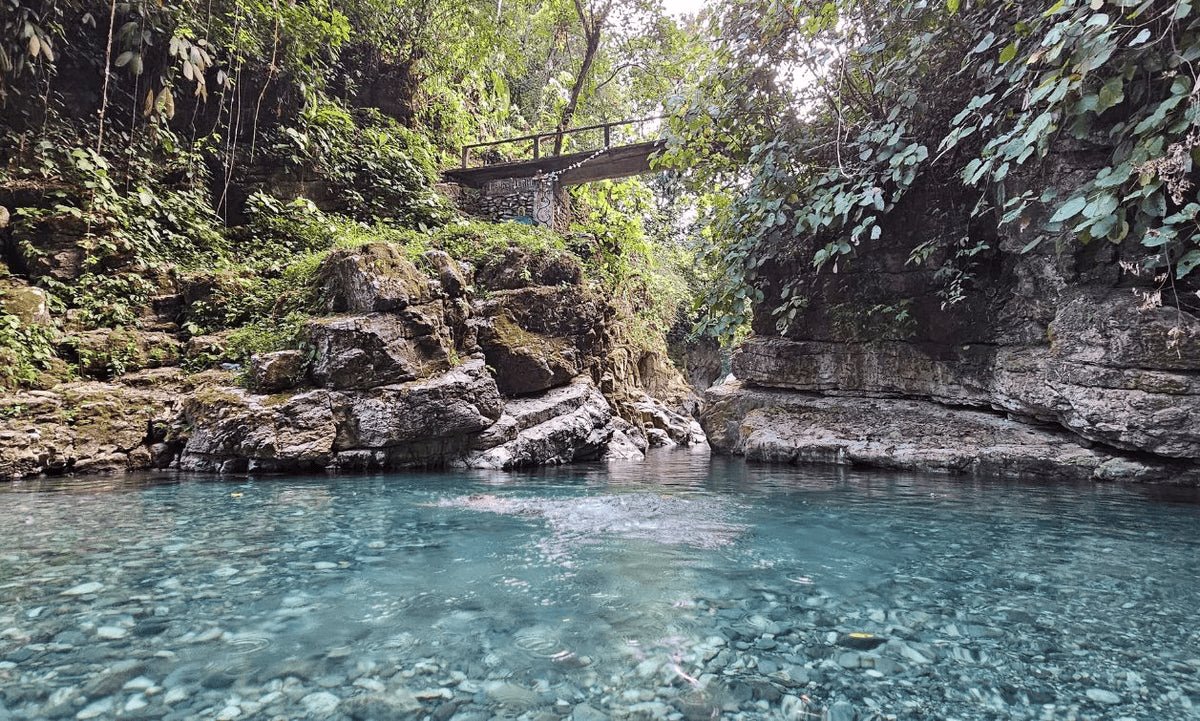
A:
[681,588]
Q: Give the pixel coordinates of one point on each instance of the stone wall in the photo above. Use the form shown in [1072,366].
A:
[1051,360]
[524,200]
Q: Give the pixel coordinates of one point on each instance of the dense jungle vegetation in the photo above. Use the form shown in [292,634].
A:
[163,137]
[168,140]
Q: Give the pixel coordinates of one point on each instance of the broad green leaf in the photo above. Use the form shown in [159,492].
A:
[1069,209]
[1111,94]
[1008,53]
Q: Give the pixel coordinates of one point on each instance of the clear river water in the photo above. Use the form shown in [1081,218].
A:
[681,588]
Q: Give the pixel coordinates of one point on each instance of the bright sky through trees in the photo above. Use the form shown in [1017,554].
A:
[684,7]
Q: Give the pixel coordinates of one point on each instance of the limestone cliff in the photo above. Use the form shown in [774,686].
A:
[1052,364]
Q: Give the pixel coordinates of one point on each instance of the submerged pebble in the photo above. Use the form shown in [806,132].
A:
[749,596]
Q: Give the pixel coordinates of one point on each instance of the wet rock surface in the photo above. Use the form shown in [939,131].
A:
[790,427]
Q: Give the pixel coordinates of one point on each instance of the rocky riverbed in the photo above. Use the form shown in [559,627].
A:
[855,598]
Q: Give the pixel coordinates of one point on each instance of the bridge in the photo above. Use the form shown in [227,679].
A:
[531,189]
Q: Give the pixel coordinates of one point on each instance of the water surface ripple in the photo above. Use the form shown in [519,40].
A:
[676,589]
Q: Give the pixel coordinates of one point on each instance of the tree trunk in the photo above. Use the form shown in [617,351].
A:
[591,30]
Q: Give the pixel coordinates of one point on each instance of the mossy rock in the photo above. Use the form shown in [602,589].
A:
[29,304]
[371,278]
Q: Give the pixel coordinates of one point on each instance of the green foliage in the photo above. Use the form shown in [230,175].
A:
[378,169]
[818,118]
[477,241]
[26,351]
[641,272]
[275,275]
[266,336]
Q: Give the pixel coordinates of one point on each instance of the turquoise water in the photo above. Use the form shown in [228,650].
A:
[676,589]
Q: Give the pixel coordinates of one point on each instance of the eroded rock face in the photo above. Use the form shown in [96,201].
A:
[414,372]
[233,430]
[1055,340]
[379,349]
[915,435]
[90,427]
[453,418]
[451,274]
[519,268]
[278,371]
[540,338]
[105,352]
[455,404]
[563,425]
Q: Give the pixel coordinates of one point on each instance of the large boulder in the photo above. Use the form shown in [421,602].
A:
[372,278]
[278,370]
[29,304]
[542,337]
[526,362]
[379,349]
[233,430]
[521,268]
[453,405]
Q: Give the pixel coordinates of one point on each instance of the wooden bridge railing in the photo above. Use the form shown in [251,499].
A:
[537,138]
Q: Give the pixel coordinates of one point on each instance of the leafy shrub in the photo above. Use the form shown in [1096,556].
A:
[476,241]
[266,336]
[26,351]
[379,169]
[975,97]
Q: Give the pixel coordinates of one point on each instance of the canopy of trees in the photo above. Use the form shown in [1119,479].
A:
[815,119]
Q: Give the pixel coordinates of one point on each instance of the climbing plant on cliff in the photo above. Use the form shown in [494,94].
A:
[817,118]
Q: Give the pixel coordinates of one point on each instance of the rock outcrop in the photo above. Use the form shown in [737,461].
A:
[1054,363]
[411,370]
[92,427]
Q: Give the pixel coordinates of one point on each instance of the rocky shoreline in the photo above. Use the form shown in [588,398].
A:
[412,369]
[1053,363]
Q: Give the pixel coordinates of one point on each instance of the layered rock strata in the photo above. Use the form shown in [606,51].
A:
[1060,361]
